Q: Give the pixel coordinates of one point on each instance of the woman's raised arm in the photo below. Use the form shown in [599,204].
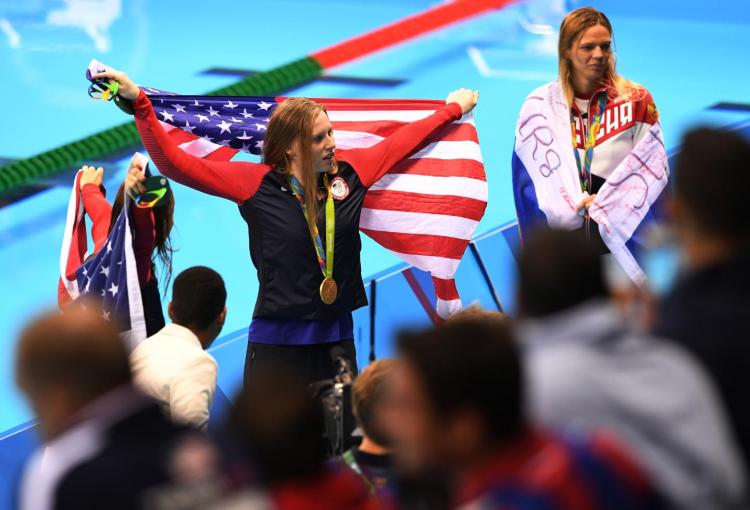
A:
[236,181]
[374,162]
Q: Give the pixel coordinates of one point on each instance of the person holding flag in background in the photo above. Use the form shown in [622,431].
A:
[151,227]
[303,207]
[615,172]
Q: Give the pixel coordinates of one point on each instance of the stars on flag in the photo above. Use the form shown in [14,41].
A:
[167,116]
[221,121]
[224,126]
[105,276]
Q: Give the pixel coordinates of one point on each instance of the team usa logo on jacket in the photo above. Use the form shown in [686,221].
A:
[339,189]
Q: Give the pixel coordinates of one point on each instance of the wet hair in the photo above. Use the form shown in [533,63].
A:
[198,297]
[368,391]
[571,29]
[292,122]
[472,364]
[711,177]
[558,270]
[163,223]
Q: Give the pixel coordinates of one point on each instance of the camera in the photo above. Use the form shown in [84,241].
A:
[335,397]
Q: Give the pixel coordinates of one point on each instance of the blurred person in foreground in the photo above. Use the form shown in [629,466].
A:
[279,428]
[105,444]
[172,366]
[457,413]
[707,311]
[588,370]
[372,460]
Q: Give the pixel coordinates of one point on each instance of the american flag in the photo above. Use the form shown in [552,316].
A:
[109,279]
[425,209]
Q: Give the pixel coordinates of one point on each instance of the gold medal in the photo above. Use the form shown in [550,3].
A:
[328,291]
[328,288]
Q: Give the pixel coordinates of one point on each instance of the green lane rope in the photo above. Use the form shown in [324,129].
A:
[125,136]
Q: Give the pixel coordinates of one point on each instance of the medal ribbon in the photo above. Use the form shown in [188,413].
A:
[584,170]
[325,258]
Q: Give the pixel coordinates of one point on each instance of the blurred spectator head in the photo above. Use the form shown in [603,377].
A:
[65,361]
[368,392]
[711,180]
[198,302]
[279,426]
[476,312]
[456,392]
[558,270]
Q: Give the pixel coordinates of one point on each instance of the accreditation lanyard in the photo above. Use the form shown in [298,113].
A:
[584,170]
[349,460]
[325,257]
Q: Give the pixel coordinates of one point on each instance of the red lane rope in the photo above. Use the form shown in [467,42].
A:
[407,28]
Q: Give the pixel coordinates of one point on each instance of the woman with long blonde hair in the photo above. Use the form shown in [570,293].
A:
[302,204]
[591,107]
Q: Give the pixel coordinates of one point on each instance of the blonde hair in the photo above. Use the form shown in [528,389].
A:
[292,121]
[571,30]
[367,393]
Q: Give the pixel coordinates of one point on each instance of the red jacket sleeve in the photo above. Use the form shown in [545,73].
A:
[374,162]
[100,212]
[143,242]
[236,181]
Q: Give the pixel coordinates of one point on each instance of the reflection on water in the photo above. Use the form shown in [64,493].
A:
[14,39]
[27,23]
[93,16]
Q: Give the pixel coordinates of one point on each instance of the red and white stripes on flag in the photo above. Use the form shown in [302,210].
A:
[74,246]
[427,207]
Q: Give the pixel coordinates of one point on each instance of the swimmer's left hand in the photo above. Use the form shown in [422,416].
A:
[466,99]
